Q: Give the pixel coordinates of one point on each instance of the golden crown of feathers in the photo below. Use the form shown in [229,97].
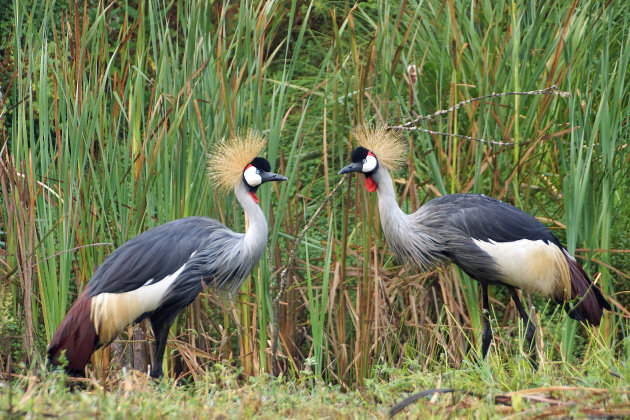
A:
[229,158]
[387,145]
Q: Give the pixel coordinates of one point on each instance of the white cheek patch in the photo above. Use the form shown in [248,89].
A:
[252,177]
[369,164]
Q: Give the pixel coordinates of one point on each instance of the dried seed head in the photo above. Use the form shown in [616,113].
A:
[412,71]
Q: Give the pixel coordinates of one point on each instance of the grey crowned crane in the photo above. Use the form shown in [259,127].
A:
[161,271]
[491,241]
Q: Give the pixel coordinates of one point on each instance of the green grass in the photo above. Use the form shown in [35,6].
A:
[493,390]
[107,114]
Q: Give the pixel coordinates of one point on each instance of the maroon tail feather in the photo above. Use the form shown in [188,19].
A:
[590,303]
[76,335]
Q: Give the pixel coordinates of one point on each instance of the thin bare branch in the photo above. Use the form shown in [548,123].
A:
[551,90]
[494,142]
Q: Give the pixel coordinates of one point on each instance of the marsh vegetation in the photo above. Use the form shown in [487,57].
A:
[107,112]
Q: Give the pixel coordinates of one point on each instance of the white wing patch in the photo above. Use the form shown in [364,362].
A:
[535,266]
[111,312]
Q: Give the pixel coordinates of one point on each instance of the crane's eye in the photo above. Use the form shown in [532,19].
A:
[258,171]
[369,164]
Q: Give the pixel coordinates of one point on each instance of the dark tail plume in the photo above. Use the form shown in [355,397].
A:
[76,335]
[590,303]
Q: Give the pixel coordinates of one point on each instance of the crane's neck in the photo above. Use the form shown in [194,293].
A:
[408,236]
[392,217]
[255,238]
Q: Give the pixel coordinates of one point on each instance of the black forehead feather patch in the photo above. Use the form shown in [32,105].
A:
[262,164]
[359,154]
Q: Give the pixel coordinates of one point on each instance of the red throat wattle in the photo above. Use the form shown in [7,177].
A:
[369,183]
[254,196]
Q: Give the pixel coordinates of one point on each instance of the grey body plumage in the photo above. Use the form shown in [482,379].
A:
[195,241]
[493,242]
[443,229]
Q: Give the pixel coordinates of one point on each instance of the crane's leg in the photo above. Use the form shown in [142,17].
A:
[529,326]
[163,317]
[180,295]
[486,334]
[161,327]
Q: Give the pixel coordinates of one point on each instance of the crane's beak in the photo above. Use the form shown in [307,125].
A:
[270,176]
[353,167]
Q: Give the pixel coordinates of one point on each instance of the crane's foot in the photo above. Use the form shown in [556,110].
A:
[156,374]
[486,336]
[533,361]
[478,359]
[531,329]
[531,345]
[486,340]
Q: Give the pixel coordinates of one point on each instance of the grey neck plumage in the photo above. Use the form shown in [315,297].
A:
[256,235]
[255,238]
[410,236]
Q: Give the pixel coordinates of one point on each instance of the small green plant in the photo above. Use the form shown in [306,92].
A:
[11,330]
